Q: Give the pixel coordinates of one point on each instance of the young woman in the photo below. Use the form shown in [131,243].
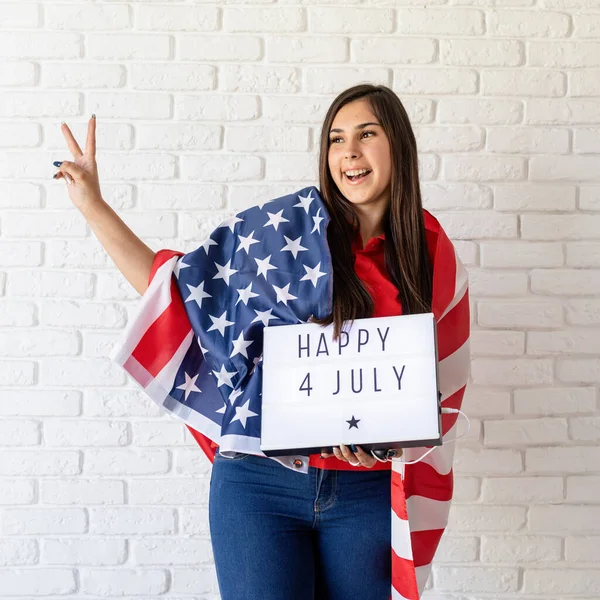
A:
[277,534]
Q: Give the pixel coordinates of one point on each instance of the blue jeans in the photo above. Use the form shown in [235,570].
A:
[282,535]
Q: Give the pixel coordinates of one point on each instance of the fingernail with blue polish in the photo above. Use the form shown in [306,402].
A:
[57,163]
[353,447]
[55,176]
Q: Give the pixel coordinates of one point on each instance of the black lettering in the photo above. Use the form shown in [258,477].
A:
[338,384]
[301,347]
[360,331]
[360,388]
[340,345]
[383,338]
[322,341]
[305,385]
[399,377]
[375,388]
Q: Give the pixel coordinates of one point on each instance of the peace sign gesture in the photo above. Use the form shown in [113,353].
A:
[81,174]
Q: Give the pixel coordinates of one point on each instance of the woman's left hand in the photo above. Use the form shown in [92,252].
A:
[360,458]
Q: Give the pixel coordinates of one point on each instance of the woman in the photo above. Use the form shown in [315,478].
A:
[277,534]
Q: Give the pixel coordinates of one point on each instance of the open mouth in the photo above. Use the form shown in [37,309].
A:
[357,178]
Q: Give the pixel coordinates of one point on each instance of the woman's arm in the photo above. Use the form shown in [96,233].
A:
[131,256]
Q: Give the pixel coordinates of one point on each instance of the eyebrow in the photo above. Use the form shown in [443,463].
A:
[361,126]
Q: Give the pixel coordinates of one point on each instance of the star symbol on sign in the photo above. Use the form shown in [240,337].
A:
[263,316]
[179,266]
[224,272]
[283,294]
[207,243]
[246,293]
[197,294]
[264,265]
[293,246]
[189,386]
[240,345]
[353,422]
[275,219]
[230,222]
[220,323]
[224,377]
[312,274]
[246,242]
[243,413]
[317,221]
[304,202]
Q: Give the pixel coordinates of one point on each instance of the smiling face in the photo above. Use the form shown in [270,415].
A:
[357,142]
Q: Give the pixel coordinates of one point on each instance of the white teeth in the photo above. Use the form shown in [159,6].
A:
[357,172]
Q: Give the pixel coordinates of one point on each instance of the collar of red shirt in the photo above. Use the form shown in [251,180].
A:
[374,243]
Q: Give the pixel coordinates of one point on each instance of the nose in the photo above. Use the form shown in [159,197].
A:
[350,151]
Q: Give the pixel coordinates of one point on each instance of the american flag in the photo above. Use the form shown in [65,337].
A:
[195,346]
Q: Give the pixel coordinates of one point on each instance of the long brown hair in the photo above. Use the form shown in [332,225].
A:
[406,256]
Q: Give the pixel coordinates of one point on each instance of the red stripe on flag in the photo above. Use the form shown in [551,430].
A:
[454,401]
[404,580]
[453,329]
[425,481]
[444,275]
[206,444]
[156,349]
[398,498]
[424,544]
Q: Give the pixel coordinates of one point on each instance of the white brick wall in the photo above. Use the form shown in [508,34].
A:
[206,106]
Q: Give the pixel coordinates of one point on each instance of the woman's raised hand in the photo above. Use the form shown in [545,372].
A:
[81,174]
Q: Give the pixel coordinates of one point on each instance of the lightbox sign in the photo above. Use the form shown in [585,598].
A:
[376,385]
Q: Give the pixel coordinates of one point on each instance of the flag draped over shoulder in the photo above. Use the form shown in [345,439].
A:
[421,493]
[195,346]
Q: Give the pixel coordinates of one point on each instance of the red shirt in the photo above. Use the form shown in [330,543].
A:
[370,268]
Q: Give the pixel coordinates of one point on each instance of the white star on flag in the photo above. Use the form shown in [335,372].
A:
[189,386]
[246,293]
[234,395]
[230,222]
[179,267]
[264,265]
[222,409]
[220,323]
[275,219]
[224,377]
[246,242]
[224,272]
[317,220]
[207,243]
[304,202]
[283,294]
[197,294]
[243,413]
[293,246]
[263,316]
[240,345]
[312,274]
